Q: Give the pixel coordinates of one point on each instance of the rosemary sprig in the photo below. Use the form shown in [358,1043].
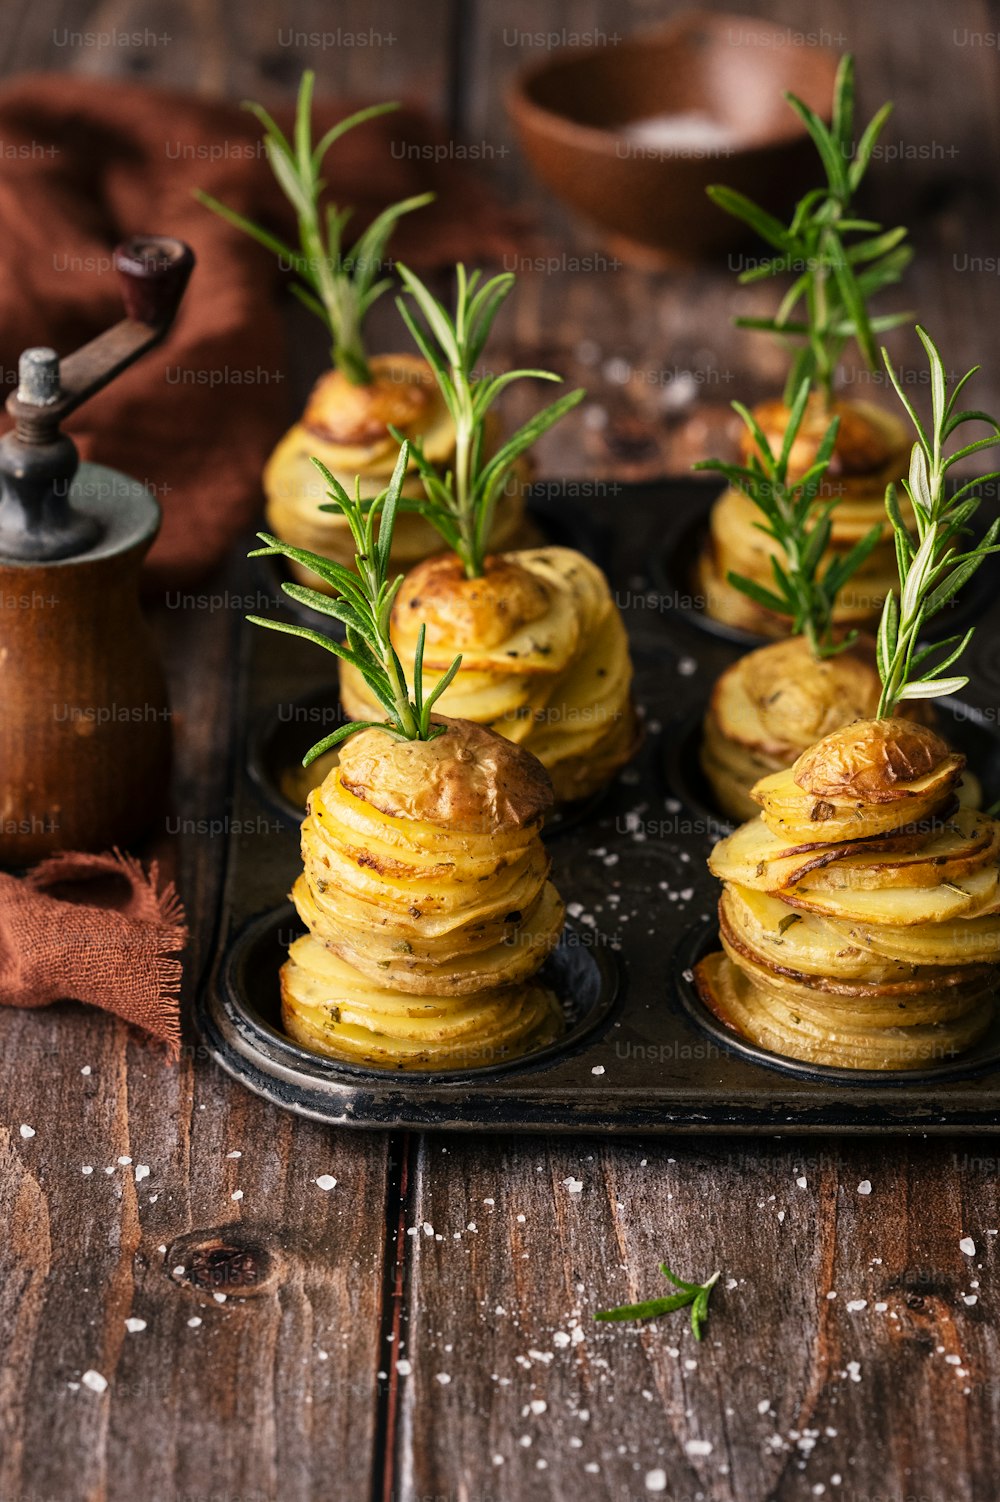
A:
[800,526]
[462,503]
[839,260]
[338,285]
[696,1295]
[934,567]
[363,602]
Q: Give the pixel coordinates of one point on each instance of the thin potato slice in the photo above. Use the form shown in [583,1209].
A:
[871,1006]
[331,1007]
[775,1023]
[967,843]
[899,907]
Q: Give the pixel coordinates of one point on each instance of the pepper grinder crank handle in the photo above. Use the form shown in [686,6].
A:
[37,460]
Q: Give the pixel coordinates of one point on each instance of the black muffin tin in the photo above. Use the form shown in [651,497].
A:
[640,1053]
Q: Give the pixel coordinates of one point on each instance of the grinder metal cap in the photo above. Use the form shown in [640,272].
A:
[38,520]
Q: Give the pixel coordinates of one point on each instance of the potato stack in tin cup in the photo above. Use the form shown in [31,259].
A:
[425,886]
[860,912]
[355,406]
[545,655]
[801,542]
[837,262]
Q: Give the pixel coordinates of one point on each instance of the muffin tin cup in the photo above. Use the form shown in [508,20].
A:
[641,1054]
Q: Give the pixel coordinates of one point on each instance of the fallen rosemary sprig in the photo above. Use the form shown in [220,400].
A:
[839,260]
[932,569]
[363,602]
[338,285]
[800,526]
[696,1295]
[461,504]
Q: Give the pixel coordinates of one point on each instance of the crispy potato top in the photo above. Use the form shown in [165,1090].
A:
[468,779]
[867,439]
[485,611]
[341,412]
[872,760]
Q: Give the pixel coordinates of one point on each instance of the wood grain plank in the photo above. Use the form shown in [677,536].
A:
[512,1391]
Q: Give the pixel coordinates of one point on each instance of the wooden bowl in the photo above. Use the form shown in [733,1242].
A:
[631,135]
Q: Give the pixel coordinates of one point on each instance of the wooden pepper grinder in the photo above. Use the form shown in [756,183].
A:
[84,716]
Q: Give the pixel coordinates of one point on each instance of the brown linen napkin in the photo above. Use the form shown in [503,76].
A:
[94,928]
[84,164]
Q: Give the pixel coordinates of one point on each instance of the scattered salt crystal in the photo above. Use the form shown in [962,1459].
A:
[133,1325]
[235,1154]
[854,1370]
[220,1298]
[968,1246]
[597,1069]
[953,1360]
[404,1367]
[698,1446]
[179,1270]
[86,1169]
[141,1172]
[124,1161]
[656,1481]
[27,1131]
[326,1181]
[881,1307]
[802,1182]
[194,1321]
[731,1283]
[764,1406]
[854,1305]
[443,1378]
[865,1187]
[94,1381]
[86,1069]
[575,1186]
[832,1294]
[538,1405]
[970,1299]
[237,1194]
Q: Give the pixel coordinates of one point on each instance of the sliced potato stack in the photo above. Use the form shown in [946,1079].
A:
[347,427]
[871,450]
[773,703]
[425,891]
[545,659]
[860,913]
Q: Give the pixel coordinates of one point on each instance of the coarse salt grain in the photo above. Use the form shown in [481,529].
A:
[656,1481]
[865,1187]
[575,1186]
[968,1246]
[698,1446]
[27,1131]
[133,1325]
[94,1381]
[141,1172]
[326,1181]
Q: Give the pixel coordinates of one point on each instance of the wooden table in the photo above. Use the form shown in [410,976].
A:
[423,1329]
